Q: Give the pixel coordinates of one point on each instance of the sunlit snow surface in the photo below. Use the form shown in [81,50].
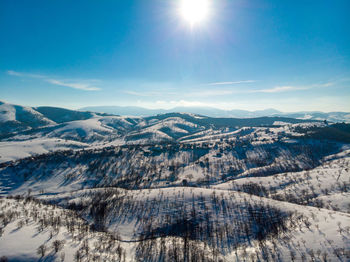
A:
[152,175]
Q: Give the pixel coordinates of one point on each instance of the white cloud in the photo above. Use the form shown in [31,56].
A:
[224,92]
[13,73]
[231,82]
[279,89]
[81,85]
[19,74]
[215,91]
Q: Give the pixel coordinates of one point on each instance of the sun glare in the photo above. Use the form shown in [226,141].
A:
[194,11]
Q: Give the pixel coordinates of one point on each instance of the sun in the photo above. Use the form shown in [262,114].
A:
[194,11]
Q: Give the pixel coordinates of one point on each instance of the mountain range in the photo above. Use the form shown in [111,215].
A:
[87,186]
[18,119]
[215,112]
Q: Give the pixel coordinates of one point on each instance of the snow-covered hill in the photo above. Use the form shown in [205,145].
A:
[15,118]
[81,186]
[23,125]
[152,225]
[32,231]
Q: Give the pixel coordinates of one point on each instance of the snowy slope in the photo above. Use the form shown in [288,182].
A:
[21,114]
[172,187]
[14,150]
[15,118]
[306,228]
[63,235]
[327,185]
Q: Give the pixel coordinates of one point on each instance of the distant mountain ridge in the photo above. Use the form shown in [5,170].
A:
[215,112]
[85,126]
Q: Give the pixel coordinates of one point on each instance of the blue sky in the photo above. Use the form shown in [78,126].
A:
[247,54]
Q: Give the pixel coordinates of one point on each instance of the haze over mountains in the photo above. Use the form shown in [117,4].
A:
[215,112]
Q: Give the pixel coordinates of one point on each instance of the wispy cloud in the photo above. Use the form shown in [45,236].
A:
[231,82]
[80,86]
[86,85]
[197,92]
[279,89]
[19,74]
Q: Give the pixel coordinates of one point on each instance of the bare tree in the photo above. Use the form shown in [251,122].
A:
[57,245]
[41,251]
